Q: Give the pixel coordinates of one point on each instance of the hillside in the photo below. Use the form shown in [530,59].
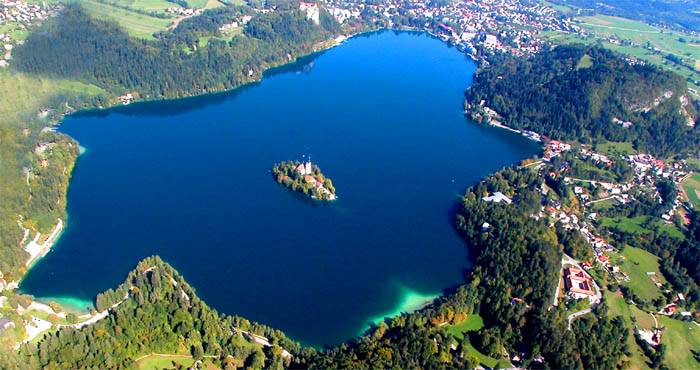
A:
[670,13]
[589,94]
[79,47]
[160,314]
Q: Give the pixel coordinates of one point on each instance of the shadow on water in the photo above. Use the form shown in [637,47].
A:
[174,107]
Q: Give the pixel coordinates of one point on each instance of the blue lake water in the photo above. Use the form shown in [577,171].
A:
[190,180]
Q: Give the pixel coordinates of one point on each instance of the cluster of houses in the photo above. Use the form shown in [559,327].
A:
[305,169]
[505,25]
[185,12]
[24,12]
[21,16]
[647,169]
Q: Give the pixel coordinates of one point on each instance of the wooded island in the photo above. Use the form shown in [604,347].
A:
[304,178]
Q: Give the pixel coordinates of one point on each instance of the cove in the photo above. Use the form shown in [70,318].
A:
[190,180]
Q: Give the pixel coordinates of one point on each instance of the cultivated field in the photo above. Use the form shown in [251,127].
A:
[639,40]
[636,263]
[692,189]
[682,340]
[135,23]
[618,307]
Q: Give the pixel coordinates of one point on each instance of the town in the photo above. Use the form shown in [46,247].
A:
[17,18]
[596,211]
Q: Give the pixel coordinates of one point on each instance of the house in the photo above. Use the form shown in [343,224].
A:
[669,310]
[497,197]
[485,226]
[578,283]
[5,323]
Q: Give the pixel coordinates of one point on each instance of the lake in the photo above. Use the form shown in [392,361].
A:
[190,180]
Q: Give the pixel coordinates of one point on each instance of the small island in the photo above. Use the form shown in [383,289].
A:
[304,178]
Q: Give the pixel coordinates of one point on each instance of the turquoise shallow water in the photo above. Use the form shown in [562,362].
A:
[189,180]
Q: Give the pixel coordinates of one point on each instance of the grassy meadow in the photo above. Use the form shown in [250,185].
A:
[682,339]
[135,23]
[692,189]
[645,42]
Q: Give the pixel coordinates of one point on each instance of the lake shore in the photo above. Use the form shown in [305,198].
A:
[410,302]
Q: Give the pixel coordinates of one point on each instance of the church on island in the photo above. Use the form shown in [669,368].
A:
[305,178]
[304,168]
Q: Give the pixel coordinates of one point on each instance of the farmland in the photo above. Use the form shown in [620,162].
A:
[691,186]
[639,40]
[135,23]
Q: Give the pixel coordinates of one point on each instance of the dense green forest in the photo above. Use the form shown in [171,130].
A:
[550,93]
[76,46]
[162,314]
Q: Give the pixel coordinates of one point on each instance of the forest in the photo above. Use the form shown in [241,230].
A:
[79,47]
[161,314]
[552,94]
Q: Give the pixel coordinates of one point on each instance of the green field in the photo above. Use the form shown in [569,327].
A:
[647,42]
[158,363]
[35,93]
[681,339]
[611,148]
[136,24]
[636,264]
[692,188]
[584,62]
[472,323]
[618,307]
[694,163]
[637,225]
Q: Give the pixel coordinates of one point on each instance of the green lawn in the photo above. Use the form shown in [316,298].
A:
[34,94]
[636,264]
[472,323]
[159,363]
[584,62]
[692,189]
[694,163]
[680,338]
[635,225]
[136,24]
[618,307]
[612,148]
[486,360]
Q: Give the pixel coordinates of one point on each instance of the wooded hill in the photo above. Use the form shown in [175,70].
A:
[82,48]
[161,314]
[578,93]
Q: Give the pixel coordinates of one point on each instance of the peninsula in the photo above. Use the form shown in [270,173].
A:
[304,178]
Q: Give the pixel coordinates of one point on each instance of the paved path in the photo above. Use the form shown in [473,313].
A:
[574,315]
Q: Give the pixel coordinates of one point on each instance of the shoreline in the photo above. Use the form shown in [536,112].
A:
[411,300]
